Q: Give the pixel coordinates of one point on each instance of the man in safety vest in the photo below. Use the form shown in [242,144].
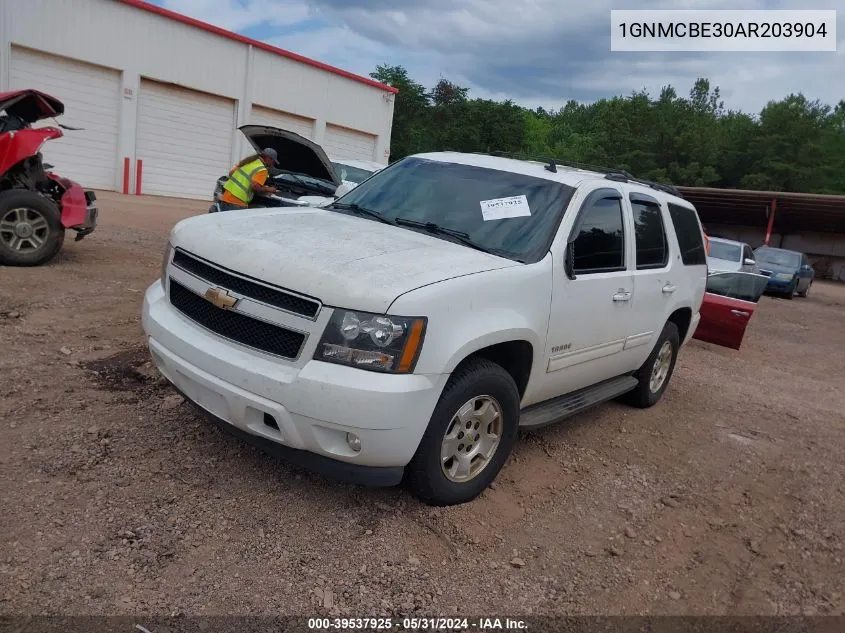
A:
[246,179]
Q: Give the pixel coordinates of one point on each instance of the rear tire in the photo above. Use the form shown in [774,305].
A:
[31,231]
[804,294]
[480,400]
[653,377]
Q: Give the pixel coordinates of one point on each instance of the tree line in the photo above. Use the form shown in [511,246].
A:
[794,144]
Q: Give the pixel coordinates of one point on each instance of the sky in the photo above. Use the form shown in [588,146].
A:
[534,52]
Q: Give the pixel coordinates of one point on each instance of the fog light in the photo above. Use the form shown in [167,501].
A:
[354,442]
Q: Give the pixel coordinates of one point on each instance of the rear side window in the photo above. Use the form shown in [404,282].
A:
[600,244]
[650,236]
[689,235]
[743,286]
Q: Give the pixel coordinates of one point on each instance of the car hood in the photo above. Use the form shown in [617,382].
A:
[344,261]
[722,265]
[296,153]
[30,105]
[776,268]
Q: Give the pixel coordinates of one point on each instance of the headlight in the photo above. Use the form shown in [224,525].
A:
[784,276]
[372,341]
[168,253]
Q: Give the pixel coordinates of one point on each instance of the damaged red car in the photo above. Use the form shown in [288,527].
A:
[37,206]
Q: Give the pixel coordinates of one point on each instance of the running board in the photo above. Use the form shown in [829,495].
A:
[557,409]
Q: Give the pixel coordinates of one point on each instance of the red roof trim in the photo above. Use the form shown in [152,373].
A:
[184,19]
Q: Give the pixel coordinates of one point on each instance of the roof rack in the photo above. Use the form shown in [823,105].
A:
[624,176]
[617,175]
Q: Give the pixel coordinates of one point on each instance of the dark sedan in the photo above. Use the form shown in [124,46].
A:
[789,272]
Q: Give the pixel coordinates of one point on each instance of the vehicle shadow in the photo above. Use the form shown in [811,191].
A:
[262,470]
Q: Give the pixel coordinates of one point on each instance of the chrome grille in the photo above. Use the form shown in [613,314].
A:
[275,297]
[235,326]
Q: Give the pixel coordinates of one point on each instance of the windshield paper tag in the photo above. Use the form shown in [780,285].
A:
[503,208]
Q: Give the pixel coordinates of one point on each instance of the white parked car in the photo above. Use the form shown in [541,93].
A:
[351,174]
[355,171]
[731,256]
[406,331]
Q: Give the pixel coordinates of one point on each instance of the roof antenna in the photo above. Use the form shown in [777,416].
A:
[551,166]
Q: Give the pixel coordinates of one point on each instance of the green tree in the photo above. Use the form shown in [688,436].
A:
[409,111]
[793,145]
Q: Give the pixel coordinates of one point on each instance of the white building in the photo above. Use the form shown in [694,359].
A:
[161,95]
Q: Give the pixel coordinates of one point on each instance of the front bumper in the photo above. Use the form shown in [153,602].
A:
[779,285]
[311,406]
[92,213]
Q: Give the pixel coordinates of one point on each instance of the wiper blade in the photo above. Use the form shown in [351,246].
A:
[356,208]
[461,236]
[295,177]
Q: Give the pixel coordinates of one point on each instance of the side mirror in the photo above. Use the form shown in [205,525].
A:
[343,189]
[749,262]
[569,260]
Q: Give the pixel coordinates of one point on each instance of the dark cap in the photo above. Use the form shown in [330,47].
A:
[271,153]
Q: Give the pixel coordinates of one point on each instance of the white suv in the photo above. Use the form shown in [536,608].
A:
[408,329]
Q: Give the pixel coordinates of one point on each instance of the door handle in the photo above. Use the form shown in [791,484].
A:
[739,313]
[622,295]
[668,289]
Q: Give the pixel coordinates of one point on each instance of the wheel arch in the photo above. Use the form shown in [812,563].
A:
[515,356]
[682,318]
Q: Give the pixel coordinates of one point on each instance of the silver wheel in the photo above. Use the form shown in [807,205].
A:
[24,230]
[471,439]
[661,367]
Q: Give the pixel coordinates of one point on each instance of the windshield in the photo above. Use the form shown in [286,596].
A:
[511,214]
[778,257]
[724,250]
[350,173]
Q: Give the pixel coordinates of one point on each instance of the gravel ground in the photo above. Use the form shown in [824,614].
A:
[726,498]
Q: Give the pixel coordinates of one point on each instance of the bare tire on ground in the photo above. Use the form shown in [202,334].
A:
[469,436]
[806,291]
[31,232]
[655,373]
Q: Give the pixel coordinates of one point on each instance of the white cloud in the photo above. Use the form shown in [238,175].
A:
[236,15]
[536,52]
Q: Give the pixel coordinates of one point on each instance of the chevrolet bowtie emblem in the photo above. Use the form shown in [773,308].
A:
[220,298]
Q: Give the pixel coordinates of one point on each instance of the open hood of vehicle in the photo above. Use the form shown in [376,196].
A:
[296,153]
[30,105]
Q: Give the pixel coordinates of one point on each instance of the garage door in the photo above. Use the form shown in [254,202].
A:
[91,95]
[184,140]
[283,120]
[340,142]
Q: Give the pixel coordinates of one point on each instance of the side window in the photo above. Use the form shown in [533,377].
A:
[688,231]
[743,286]
[600,243]
[649,235]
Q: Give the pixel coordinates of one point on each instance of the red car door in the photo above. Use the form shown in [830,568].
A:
[729,303]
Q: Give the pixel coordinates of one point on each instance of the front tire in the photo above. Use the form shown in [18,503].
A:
[469,437]
[653,377]
[790,294]
[31,231]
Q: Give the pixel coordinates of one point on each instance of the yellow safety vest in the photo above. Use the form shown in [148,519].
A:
[239,183]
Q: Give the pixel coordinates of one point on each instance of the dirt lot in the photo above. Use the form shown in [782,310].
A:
[727,497]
